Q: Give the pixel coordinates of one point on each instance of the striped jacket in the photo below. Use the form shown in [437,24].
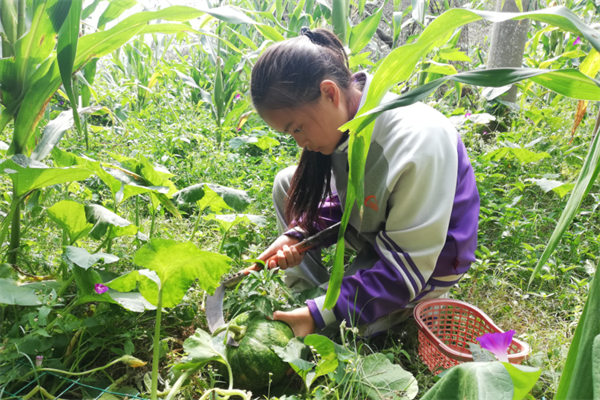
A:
[418,233]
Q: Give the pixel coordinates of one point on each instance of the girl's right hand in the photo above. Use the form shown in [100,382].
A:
[287,256]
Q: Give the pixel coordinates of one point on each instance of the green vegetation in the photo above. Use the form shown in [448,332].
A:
[135,174]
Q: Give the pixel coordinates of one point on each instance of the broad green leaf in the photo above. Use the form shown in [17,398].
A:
[228,221]
[361,34]
[563,190]
[70,216]
[328,361]
[213,200]
[200,350]
[178,265]
[235,198]
[80,257]
[102,219]
[558,187]
[379,378]
[55,130]
[523,155]
[453,54]
[266,142]
[295,353]
[12,294]
[523,378]
[132,301]
[68,36]
[114,11]
[28,175]
[473,380]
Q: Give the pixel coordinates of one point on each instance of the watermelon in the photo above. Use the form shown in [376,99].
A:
[252,361]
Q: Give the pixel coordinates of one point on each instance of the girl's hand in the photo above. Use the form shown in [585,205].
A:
[300,320]
[287,256]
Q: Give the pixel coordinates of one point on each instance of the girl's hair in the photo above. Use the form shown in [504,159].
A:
[289,75]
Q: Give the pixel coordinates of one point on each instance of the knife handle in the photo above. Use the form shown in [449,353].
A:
[302,247]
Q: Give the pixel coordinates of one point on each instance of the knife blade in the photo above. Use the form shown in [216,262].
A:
[214,303]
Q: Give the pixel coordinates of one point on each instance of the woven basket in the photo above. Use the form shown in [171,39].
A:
[447,327]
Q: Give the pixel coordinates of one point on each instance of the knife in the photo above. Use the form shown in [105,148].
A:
[214,303]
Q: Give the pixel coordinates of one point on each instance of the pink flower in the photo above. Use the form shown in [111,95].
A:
[100,288]
[497,343]
[578,40]
[237,96]
[39,360]
[467,114]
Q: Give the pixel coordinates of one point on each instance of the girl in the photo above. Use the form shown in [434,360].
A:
[418,233]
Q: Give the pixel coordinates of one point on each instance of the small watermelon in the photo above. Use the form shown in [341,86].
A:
[252,361]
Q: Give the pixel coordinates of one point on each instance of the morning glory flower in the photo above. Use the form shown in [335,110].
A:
[237,96]
[39,360]
[578,40]
[467,114]
[100,288]
[497,343]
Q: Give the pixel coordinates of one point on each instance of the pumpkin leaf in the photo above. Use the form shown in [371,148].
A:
[200,351]
[523,155]
[12,294]
[103,218]
[233,198]
[295,353]
[55,130]
[328,360]
[523,378]
[70,216]
[228,221]
[27,174]
[379,378]
[83,259]
[474,380]
[174,266]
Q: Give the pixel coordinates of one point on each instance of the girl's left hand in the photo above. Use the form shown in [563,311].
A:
[300,320]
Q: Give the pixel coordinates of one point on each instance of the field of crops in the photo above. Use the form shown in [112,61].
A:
[136,175]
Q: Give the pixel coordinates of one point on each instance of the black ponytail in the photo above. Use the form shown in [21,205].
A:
[288,75]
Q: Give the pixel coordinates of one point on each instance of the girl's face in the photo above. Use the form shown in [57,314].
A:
[315,126]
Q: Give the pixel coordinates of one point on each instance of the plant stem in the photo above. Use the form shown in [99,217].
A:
[137,211]
[66,285]
[195,226]
[15,232]
[60,371]
[156,352]
[152,224]
[223,242]
[21,20]
[179,382]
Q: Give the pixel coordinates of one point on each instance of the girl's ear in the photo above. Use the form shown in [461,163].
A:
[330,91]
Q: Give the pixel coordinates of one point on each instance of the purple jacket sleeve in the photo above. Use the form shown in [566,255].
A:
[368,295]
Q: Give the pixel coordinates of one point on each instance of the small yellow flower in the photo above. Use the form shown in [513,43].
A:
[133,362]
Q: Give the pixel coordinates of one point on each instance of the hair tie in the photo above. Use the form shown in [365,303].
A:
[305,31]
